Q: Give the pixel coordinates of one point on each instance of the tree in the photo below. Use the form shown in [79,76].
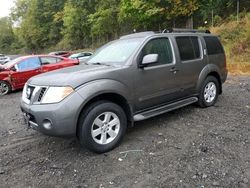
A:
[155,13]
[76,29]
[7,37]
[104,21]
[38,27]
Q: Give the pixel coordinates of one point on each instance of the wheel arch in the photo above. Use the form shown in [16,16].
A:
[8,83]
[112,97]
[209,70]
[217,76]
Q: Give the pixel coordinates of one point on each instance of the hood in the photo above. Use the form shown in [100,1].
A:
[73,76]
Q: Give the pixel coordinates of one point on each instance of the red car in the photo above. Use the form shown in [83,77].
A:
[15,73]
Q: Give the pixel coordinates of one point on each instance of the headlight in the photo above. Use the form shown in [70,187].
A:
[56,94]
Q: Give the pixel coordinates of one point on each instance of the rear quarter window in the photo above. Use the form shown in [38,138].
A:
[213,46]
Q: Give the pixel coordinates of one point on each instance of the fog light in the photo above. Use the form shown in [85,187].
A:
[47,124]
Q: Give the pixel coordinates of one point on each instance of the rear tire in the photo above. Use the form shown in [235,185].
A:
[209,92]
[102,126]
[5,88]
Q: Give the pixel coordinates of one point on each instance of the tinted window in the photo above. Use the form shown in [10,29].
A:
[161,47]
[81,55]
[87,54]
[49,60]
[189,48]
[213,45]
[196,47]
[28,64]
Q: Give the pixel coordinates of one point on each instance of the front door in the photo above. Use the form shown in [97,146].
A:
[157,83]
[24,70]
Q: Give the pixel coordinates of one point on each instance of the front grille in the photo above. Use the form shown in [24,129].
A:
[42,92]
[34,94]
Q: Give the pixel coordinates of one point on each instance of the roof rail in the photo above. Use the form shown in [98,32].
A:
[140,34]
[181,30]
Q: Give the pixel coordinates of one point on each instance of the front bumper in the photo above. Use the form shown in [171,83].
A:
[63,116]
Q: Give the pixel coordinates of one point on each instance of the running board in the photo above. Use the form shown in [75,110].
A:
[164,109]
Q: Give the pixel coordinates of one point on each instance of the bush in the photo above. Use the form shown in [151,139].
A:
[235,38]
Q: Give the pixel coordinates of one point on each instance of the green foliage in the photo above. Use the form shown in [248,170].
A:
[104,21]
[7,36]
[39,27]
[76,30]
[217,20]
[155,12]
[72,24]
[236,39]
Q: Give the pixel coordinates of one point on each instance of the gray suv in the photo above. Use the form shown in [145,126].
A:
[137,77]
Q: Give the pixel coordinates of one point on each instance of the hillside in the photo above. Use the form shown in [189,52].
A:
[235,37]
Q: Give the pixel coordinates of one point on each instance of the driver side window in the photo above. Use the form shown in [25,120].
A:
[28,64]
[160,46]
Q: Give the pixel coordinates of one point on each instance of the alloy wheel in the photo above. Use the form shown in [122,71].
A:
[210,92]
[105,128]
[4,89]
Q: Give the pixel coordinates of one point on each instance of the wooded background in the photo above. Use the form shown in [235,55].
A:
[37,26]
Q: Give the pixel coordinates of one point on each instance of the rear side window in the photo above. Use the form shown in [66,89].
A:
[189,48]
[87,54]
[213,45]
[49,60]
[160,46]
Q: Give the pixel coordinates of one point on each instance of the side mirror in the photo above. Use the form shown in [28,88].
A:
[13,69]
[149,59]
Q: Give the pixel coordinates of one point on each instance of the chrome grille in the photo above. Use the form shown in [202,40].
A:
[33,94]
[42,92]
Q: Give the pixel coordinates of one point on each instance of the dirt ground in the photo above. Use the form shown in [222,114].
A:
[189,147]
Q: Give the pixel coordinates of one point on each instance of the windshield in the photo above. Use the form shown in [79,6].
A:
[116,52]
[12,62]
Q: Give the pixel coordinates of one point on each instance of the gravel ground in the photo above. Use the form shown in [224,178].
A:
[189,147]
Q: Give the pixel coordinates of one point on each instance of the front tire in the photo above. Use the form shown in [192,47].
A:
[5,88]
[102,126]
[209,92]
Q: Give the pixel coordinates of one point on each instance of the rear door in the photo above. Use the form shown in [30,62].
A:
[50,63]
[24,70]
[156,84]
[65,62]
[191,62]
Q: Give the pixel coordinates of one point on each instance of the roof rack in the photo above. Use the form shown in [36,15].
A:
[181,30]
[140,34]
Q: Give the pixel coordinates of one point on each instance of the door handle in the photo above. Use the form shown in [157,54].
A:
[174,70]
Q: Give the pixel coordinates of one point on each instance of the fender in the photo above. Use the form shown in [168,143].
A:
[205,72]
[95,88]
[6,76]
[102,86]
